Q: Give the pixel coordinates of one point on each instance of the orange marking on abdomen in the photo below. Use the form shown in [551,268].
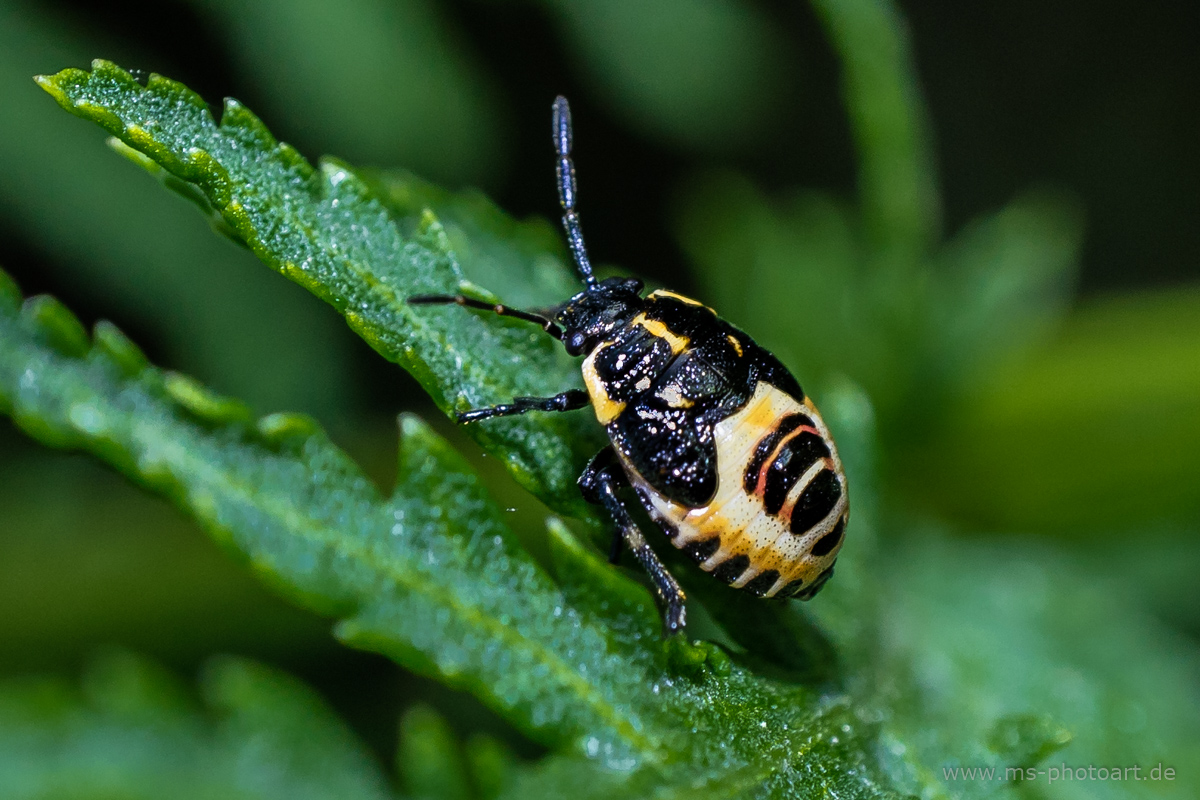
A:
[760,487]
[762,417]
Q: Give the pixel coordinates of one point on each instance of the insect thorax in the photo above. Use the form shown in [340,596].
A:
[595,315]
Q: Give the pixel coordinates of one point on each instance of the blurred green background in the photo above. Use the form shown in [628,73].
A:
[714,150]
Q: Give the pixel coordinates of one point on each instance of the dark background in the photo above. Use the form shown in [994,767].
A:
[1092,96]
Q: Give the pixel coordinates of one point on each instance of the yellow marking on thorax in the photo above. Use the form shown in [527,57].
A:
[736,344]
[664,293]
[605,407]
[678,343]
[673,296]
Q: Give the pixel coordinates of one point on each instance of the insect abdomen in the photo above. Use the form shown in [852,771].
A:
[775,524]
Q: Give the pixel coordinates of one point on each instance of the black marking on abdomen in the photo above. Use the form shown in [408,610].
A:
[702,550]
[826,544]
[790,589]
[815,503]
[732,569]
[767,445]
[797,588]
[817,584]
[762,583]
[794,459]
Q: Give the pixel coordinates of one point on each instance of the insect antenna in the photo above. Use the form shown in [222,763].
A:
[567,189]
[544,320]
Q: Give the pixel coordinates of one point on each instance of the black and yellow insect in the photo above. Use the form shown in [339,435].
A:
[715,436]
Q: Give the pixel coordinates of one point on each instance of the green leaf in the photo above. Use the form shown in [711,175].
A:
[431,576]
[134,733]
[1002,283]
[524,259]
[447,594]
[438,593]
[325,229]
[1025,451]
[451,596]
[897,184]
[147,260]
[493,766]
[430,761]
[998,653]
[85,557]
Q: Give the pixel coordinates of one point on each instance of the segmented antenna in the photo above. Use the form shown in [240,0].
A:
[566,189]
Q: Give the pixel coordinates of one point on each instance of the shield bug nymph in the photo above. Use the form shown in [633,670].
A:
[712,432]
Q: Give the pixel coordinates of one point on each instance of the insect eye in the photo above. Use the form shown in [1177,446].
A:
[575,343]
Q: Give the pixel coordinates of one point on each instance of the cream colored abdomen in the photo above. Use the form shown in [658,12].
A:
[737,517]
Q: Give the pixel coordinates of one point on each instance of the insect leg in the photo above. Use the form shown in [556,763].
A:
[599,483]
[547,324]
[615,548]
[565,401]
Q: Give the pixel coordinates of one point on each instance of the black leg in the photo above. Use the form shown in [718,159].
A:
[566,401]
[615,547]
[599,483]
[547,324]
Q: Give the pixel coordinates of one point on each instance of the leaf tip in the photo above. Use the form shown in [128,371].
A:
[203,402]
[429,757]
[414,430]
[431,228]
[235,114]
[492,765]
[111,341]
[53,85]
[10,293]
[131,686]
[287,426]
[103,68]
[420,447]
[58,327]
[561,536]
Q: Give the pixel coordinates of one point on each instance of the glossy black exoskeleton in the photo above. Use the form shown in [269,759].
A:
[717,438]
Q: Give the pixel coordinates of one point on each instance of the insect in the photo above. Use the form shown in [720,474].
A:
[714,435]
